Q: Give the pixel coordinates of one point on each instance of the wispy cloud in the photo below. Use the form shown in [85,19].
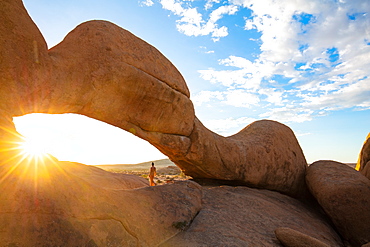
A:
[146,3]
[288,114]
[321,48]
[314,55]
[228,126]
[236,98]
[205,50]
[241,98]
[191,22]
[206,96]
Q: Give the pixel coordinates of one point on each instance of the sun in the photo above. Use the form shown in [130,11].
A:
[34,148]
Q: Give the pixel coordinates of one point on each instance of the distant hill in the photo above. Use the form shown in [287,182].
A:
[138,167]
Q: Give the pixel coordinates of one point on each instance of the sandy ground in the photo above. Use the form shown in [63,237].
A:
[167,171]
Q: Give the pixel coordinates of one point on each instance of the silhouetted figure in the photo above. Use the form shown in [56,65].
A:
[152,174]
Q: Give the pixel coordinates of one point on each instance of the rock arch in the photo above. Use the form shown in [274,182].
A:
[104,72]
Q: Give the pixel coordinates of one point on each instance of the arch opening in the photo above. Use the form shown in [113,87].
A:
[77,138]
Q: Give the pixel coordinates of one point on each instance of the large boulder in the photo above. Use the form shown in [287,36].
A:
[265,154]
[241,216]
[366,170]
[66,204]
[292,238]
[344,194]
[363,164]
[103,71]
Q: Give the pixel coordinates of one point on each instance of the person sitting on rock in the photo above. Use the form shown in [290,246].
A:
[152,174]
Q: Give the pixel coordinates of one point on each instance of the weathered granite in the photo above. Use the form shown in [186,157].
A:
[241,216]
[363,164]
[103,71]
[66,204]
[344,194]
[292,238]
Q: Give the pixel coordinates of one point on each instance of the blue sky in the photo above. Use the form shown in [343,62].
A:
[303,63]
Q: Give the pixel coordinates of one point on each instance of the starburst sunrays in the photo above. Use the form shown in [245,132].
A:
[25,159]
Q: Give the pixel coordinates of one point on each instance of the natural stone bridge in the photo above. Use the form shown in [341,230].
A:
[104,72]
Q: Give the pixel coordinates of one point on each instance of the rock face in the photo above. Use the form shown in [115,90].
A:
[366,170]
[265,154]
[364,159]
[292,238]
[241,216]
[344,194]
[104,72]
[66,204]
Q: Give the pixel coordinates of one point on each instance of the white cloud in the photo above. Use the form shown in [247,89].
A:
[298,39]
[221,11]
[241,98]
[314,55]
[299,134]
[288,114]
[146,3]
[248,75]
[230,78]
[206,96]
[236,98]
[205,50]
[228,126]
[238,62]
[191,22]
[356,94]
[273,96]
[210,3]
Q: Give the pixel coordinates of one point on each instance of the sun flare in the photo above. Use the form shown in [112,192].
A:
[34,148]
[25,157]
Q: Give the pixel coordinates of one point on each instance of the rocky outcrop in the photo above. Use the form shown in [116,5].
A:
[366,170]
[241,216]
[292,238]
[265,154]
[364,159]
[66,204]
[103,71]
[344,194]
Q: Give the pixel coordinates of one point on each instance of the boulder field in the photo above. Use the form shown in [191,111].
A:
[104,72]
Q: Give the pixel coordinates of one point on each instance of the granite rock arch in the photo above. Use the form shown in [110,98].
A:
[104,72]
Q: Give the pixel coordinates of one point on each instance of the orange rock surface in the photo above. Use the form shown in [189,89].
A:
[104,72]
